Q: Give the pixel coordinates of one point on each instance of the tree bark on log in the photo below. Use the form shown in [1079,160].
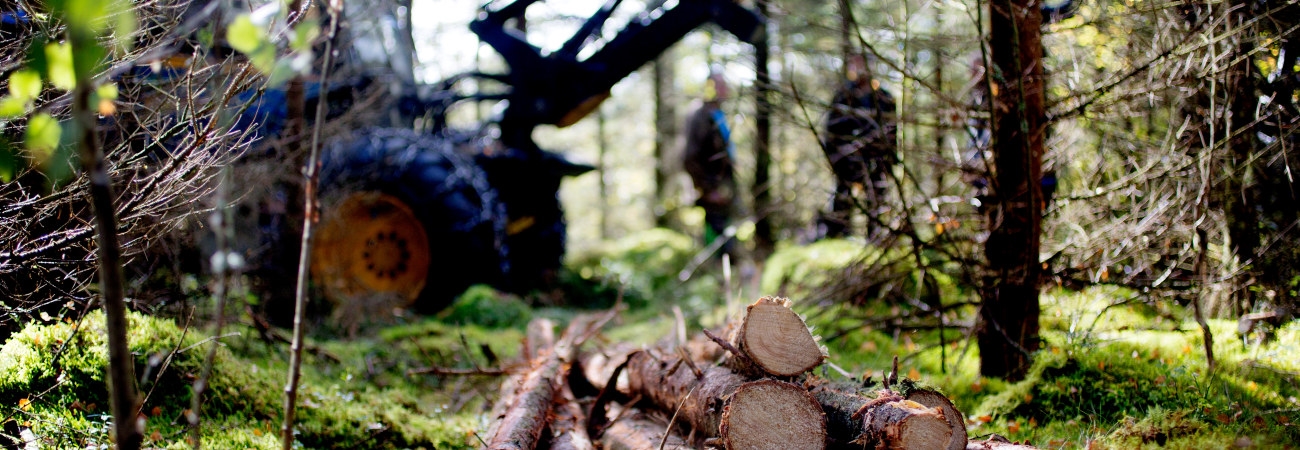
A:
[637,431]
[520,423]
[599,366]
[719,396]
[567,430]
[774,340]
[888,421]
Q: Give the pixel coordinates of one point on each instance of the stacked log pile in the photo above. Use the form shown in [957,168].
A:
[752,389]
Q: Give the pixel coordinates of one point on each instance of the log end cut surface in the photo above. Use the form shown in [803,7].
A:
[955,419]
[905,424]
[770,414]
[778,340]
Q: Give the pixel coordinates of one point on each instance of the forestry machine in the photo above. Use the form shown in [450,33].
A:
[411,219]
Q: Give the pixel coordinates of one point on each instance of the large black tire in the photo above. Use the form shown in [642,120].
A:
[369,255]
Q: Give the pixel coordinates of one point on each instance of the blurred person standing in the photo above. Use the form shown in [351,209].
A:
[860,142]
[708,158]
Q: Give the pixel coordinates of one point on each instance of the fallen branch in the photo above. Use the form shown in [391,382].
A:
[520,422]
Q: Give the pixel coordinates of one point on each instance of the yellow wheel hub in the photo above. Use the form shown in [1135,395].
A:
[371,248]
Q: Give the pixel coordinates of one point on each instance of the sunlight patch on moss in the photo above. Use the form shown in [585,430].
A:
[488,307]
[794,271]
[364,400]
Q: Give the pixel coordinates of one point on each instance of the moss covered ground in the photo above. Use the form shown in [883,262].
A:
[1116,370]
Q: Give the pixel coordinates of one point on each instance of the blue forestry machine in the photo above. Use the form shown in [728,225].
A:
[411,219]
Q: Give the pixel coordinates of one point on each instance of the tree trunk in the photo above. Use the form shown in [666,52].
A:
[888,421]
[121,365]
[722,404]
[848,32]
[1008,334]
[764,243]
[602,151]
[665,71]
[1239,194]
[311,175]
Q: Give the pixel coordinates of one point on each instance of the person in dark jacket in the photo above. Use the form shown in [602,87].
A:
[860,144]
[708,159]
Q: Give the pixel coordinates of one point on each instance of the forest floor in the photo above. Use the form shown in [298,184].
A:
[1115,371]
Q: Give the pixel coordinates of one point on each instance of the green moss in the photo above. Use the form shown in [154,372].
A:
[1130,375]
[68,394]
[1113,372]
[795,270]
[65,403]
[488,307]
[834,273]
[644,264]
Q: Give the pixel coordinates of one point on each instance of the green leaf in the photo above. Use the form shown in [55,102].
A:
[58,57]
[8,163]
[205,37]
[89,20]
[87,59]
[280,74]
[304,34]
[123,25]
[244,36]
[58,168]
[107,92]
[286,68]
[25,84]
[43,133]
[36,56]
[84,18]
[263,59]
[12,107]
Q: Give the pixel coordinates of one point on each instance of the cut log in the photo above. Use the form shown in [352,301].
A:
[887,421]
[774,340]
[567,430]
[598,366]
[521,420]
[539,336]
[638,431]
[995,442]
[748,418]
[521,425]
[513,383]
[932,398]
[749,409]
